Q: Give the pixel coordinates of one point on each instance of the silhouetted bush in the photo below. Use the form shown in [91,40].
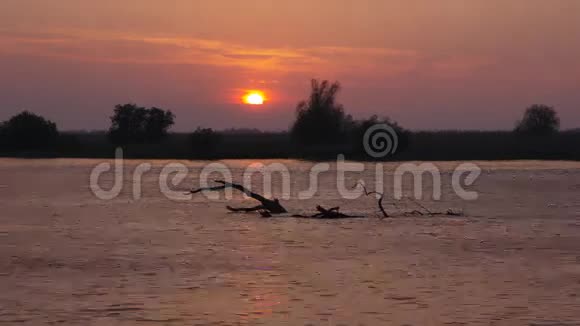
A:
[361,127]
[204,142]
[132,124]
[539,120]
[320,120]
[490,145]
[27,131]
[423,145]
[322,128]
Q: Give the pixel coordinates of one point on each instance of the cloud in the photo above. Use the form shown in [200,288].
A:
[242,56]
[132,48]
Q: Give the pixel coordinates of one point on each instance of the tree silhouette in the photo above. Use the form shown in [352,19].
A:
[28,131]
[157,123]
[539,120]
[320,120]
[134,124]
[361,127]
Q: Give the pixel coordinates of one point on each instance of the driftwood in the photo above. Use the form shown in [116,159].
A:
[332,213]
[449,212]
[269,205]
[427,212]
[380,199]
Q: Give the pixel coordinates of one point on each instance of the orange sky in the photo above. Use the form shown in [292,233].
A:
[428,64]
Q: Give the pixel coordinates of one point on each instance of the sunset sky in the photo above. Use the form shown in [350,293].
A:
[461,64]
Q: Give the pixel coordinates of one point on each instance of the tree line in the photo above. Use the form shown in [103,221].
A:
[321,127]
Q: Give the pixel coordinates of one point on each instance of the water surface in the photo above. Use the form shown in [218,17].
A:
[68,257]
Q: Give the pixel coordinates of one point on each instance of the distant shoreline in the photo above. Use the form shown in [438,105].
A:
[421,146]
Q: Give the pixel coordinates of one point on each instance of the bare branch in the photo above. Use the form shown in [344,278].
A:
[423,207]
[381,196]
[272,206]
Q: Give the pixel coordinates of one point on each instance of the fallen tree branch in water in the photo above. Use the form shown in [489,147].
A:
[332,213]
[380,199]
[427,212]
[272,206]
[423,207]
[449,212]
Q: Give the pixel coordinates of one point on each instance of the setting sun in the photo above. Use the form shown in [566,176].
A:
[254,98]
